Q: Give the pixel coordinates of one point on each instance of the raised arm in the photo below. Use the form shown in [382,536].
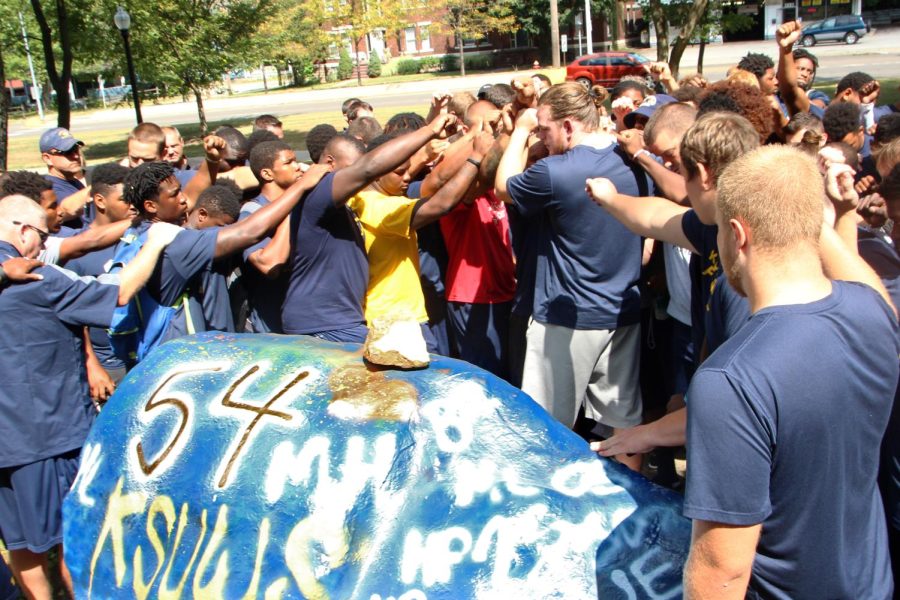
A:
[384,159]
[92,239]
[213,146]
[271,260]
[73,205]
[515,157]
[454,158]
[791,92]
[135,274]
[249,231]
[653,217]
[429,210]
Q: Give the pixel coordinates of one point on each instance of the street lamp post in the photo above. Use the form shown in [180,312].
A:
[123,22]
[579,21]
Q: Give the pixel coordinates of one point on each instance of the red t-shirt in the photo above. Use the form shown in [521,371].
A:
[480,269]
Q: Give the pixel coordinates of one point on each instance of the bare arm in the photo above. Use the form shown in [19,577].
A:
[73,205]
[94,238]
[206,174]
[653,217]
[244,234]
[791,92]
[135,274]
[271,260]
[670,184]
[429,210]
[99,381]
[454,158]
[242,176]
[720,561]
[384,159]
[669,431]
[515,157]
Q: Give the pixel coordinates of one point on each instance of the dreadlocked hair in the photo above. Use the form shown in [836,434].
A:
[142,183]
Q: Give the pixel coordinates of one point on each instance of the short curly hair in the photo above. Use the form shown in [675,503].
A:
[222,199]
[24,183]
[106,176]
[799,53]
[405,121]
[317,138]
[750,101]
[756,63]
[143,182]
[888,129]
[853,81]
[840,119]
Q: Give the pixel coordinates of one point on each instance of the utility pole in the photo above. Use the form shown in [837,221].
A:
[554,32]
[34,84]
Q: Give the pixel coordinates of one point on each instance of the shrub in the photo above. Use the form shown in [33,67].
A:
[430,64]
[408,66]
[345,65]
[374,65]
[479,62]
[450,62]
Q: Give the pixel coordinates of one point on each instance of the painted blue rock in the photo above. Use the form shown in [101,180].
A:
[281,467]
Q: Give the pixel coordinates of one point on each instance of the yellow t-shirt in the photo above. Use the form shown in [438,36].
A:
[394,286]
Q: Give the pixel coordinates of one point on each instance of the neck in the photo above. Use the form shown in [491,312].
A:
[56,173]
[793,277]
[271,190]
[594,139]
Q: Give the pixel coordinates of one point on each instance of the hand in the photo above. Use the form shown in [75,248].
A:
[659,71]
[507,120]
[19,269]
[434,149]
[696,80]
[527,120]
[484,141]
[788,34]
[601,190]
[439,102]
[214,146]
[865,185]
[828,157]
[631,141]
[868,93]
[627,441]
[314,174]
[162,233]
[526,96]
[839,188]
[99,381]
[441,124]
[873,209]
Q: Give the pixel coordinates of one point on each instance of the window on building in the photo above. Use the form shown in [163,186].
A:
[425,36]
[410,36]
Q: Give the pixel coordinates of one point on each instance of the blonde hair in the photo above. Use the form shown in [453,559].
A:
[888,155]
[777,192]
[715,140]
[571,100]
[740,76]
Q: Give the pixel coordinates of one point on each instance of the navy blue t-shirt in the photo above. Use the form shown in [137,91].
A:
[704,271]
[524,232]
[44,399]
[784,425]
[329,267]
[64,187]
[265,295]
[726,312]
[588,263]
[93,264]
[213,294]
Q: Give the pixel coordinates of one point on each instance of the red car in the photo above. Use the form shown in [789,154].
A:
[605,68]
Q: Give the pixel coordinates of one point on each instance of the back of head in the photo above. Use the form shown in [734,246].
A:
[756,63]
[740,76]
[259,136]
[782,213]
[811,128]
[407,121]
[460,103]
[571,101]
[222,199]
[236,144]
[365,128]
[263,122]
[715,140]
[890,185]
[382,139]
[804,120]
[840,119]
[500,94]
[674,118]
[106,176]
[851,156]
[853,81]
[359,109]
[16,207]
[345,106]
[24,183]
[751,102]
[317,138]
[343,145]
[142,182]
[887,156]
[263,156]
[888,129]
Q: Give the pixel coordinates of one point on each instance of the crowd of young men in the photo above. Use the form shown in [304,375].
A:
[692,268]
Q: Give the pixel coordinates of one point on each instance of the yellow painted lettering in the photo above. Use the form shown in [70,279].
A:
[161,505]
[262,543]
[324,533]
[165,593]
[118,507]
[216,586]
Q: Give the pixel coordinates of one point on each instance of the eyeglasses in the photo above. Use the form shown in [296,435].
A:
[73,151]
[41,233]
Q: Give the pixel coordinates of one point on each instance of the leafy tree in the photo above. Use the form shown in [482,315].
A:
[473,19]
[360,17]
[688,13]
[374,65]
[345,65]
[294,35]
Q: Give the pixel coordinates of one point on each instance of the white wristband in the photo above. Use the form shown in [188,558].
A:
[640,152]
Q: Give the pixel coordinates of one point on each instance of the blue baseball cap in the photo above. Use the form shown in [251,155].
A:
[58,139]
[647,108]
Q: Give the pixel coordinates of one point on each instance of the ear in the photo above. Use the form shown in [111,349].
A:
[202,215]
[740,234]
[267,174]
[100,202]
[706,177]
[568,127]
[150,207]
[46,158]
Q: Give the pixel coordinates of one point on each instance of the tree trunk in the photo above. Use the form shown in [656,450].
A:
[262,68]
[554,33]
[698,9]
[614,30]
[358,63]
[59,80]
[462,55]
[4,115]
[700,56]
[201,112]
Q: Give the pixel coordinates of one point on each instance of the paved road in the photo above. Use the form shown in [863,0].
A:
[875,54]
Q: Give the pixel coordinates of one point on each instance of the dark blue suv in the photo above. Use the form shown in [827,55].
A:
[845,28]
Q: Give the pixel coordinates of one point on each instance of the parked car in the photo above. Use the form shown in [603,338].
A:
[845,28]
[605,68]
